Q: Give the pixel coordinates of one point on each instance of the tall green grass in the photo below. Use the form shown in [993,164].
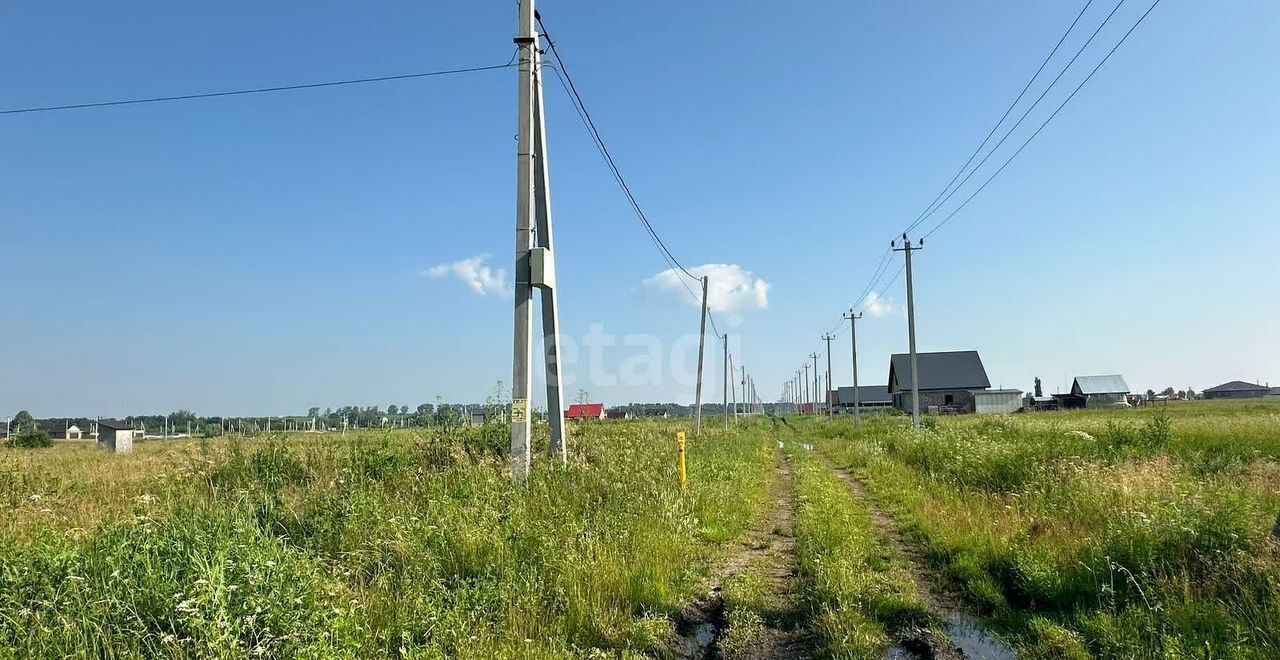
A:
[1114,534]
[860,595]
[376,546]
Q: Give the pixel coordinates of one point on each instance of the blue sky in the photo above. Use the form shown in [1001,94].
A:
[259,255]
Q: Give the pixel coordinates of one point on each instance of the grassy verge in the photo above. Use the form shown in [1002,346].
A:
[374,546]
[860,595]
[1116,535]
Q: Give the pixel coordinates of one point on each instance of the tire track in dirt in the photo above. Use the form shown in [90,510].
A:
[965,636]
[766,551]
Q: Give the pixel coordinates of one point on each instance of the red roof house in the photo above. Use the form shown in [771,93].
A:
[585,411]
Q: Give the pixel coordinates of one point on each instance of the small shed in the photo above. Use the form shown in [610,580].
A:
[1100,391]
[948,380]
[585,411]
[115,437]
[1237,389]
[621,413]
[997,402]
[477,418]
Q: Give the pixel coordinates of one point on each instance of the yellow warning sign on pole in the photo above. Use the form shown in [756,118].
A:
[519,411]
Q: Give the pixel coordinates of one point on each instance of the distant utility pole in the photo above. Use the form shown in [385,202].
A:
[816,382]
[702,344]
[535,263]
[725,371]
[733,390]
[806,388]
[746,405]
[853,339]
[911,328]
[827,395]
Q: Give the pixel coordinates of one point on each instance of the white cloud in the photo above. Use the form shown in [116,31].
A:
[729,287]
[877,306]
[475,272]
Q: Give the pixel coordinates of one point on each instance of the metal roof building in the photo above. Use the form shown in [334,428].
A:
[1097,392]
[1112,384]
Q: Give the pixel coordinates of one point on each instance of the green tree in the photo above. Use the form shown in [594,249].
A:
[313,411]
[23,418]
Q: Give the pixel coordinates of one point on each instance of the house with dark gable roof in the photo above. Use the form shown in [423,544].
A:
[869,396]
[947,380]
[1237,389]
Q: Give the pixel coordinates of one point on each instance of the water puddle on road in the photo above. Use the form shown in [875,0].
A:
[967,640]
[696,643]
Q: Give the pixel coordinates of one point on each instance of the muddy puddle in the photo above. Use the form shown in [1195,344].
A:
[965,639]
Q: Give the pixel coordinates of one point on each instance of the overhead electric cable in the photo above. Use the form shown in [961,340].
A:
[994,128]
[571,89]
[1046,121]
[1018,123]
[255,90]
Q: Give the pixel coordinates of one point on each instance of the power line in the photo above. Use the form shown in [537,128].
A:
[255,90]
[1022,118]
[604,149]
[566,82]
[1003,117]
[1046,121]
[929,211]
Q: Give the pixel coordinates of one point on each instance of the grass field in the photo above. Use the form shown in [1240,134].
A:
[1122,534]
[375,546]
[1118,534]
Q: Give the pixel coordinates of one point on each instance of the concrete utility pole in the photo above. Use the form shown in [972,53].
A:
[911,329]
[745,405]
[733,390]
[702,344]
[535,264]
[853,339]
[725,370]
[817,382]
[827,395]
[806,388]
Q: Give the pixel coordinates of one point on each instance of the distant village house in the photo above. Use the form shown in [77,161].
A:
[1237,389]
[869,397]
[948,381]
[585,411]
[1108,391]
